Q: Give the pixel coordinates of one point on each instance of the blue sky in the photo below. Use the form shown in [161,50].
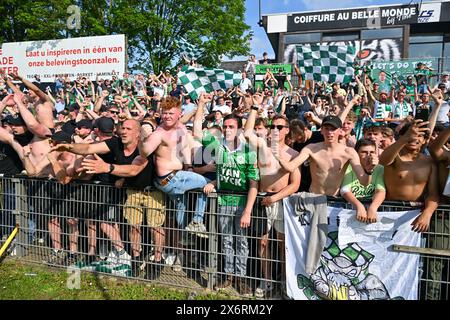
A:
[260,42]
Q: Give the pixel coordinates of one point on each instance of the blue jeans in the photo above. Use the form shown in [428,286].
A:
[7,219]
[230,229]
[177,186]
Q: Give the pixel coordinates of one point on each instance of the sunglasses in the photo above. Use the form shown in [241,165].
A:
[226,127]
[279,126]
[270,112]
[375,124]
[114,112]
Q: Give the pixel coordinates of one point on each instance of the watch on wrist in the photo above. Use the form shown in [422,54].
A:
[111,168]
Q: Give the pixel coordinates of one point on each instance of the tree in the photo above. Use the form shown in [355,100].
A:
[153,26]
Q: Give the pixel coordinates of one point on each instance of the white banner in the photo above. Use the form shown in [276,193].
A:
[87,57]
[349,270]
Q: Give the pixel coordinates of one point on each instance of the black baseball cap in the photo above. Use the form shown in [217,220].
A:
[15,120]
[73,107]
[61,137]
[104,124]
[84,123]
[332,120]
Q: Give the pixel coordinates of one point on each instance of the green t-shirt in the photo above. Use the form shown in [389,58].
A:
[351,183]
[234,169]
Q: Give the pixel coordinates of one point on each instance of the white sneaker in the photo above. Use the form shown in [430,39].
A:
[123,257]
[197,228]
[177,265]
[263,289]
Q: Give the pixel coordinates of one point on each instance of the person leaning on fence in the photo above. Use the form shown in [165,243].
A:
[441,225]
[236,171]
[138,173]
[124,151]
[275,184]
[328,162]
[107,211]
[409,175]
[352,190]
[172,146]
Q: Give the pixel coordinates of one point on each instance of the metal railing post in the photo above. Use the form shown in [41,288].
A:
[213,242]
[21,214]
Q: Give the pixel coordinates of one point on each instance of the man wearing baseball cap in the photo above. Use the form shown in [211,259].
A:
[328,162]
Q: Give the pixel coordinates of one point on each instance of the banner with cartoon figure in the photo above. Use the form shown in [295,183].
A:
[357,262]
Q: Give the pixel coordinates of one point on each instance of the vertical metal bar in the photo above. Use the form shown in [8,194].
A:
[213,241]
[21,213]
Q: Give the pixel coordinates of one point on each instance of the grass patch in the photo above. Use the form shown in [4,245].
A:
[23,281]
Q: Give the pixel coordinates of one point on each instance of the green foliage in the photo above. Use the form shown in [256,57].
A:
[151,26]
[19,281]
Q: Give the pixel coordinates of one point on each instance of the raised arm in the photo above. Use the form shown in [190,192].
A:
[198,118]
[149,142]
[390,153]
[83,148]
[32,124]
[33,87]
[348,107]
[363,178]
[97,165]
[436,147]
[296,162]
[438,101]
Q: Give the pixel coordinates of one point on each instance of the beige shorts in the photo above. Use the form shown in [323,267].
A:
[275,216]
[139,201]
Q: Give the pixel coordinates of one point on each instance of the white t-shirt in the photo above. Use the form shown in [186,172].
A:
[245,84]
[225,109]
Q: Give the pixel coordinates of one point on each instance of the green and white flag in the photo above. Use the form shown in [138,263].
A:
[326,63]
[189,50]
[357,262]
[198,80]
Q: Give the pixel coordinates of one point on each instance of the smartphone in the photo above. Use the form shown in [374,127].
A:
[422,114]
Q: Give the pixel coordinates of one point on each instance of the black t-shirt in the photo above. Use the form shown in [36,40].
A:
[9,160]
[305,181]
[210,175]
[108,158]
[143,179]
[280,79]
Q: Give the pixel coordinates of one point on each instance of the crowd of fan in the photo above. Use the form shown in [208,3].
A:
[146,133]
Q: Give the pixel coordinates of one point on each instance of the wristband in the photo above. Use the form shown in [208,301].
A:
[111,168]
[256,108]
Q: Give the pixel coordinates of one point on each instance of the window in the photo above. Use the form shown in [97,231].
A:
[425,38]
[386,33]
[340,36]
[302,38]
[425,50]
[446,57]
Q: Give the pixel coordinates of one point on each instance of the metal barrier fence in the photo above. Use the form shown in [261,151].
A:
[142,234]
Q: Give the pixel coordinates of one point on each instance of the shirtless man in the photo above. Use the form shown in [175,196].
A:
[409,174]
[275,182]
[172,146]
[440,225]
[37,163]
[127,163]
[328,160]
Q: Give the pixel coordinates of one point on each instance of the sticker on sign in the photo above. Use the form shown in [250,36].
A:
[429,12]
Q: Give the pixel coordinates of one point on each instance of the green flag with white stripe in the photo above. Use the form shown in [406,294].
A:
[326,63]
[198,80]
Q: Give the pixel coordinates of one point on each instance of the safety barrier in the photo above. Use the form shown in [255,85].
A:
[142,234]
